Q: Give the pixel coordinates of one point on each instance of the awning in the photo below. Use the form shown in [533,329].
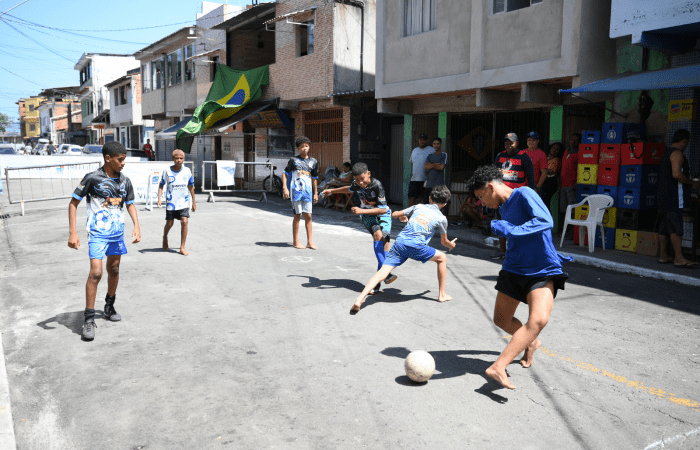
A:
[101,117]
[242,115]
[169,133]
[291,14]
[679,77]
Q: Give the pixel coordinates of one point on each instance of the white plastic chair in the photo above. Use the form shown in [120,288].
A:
[597,204]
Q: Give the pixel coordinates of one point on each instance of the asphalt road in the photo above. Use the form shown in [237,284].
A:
[247,343]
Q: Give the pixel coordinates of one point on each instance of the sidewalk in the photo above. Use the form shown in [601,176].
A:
[615,260]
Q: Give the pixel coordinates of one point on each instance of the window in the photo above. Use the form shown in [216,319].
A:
[175,67]
[189,63]
[419,16]
[306,38]
[31,107]
[128,94]
[214,65]
[32,127]
[116,97]
[146,77]
[157,66]
[500,6]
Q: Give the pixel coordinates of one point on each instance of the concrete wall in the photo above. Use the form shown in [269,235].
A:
[632,17]
[433,54]
[472,48]
[348,47]
[523,36]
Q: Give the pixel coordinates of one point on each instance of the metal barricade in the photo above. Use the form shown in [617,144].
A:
[48,182]
[210,185]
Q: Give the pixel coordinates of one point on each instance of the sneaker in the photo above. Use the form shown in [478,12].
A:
[498,255]
[390,279]
[376,289]
[111,313]
[89,330]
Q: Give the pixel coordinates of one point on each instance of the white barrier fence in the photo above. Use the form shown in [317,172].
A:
[211,186]
[56,177]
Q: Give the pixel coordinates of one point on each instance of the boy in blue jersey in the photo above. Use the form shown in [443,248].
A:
[300,184]
[107,191]
[179,188]
[532,269]
[373,210]
[412,242]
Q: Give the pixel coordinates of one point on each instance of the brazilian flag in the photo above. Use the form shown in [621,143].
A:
[232,90]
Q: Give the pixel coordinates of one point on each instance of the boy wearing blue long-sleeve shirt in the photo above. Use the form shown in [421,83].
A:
[532,269]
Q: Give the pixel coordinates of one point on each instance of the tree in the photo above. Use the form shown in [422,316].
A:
[4,122]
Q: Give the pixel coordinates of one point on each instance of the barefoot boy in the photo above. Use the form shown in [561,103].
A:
[179,190]
[412,242]
[532,269]
[107,191]
[373,210]
[300,183]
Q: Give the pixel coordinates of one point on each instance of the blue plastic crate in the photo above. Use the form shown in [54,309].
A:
[609,238]
[639,176]
[648,198]
[629,197]
[584,190]
[590,137]
[608,190]
[619,133]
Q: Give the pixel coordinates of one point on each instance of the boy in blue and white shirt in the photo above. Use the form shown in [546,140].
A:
[179,192]
[107,190]
[300,184]
[412,242]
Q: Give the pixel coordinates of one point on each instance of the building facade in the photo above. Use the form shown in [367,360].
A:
[470,72]
[125,113]
[96,70]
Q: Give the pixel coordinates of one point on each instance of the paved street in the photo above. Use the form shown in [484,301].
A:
[247,343]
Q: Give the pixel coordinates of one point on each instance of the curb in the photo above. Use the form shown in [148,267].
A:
[7,428]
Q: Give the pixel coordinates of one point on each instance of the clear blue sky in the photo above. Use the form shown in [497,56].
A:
[35,68]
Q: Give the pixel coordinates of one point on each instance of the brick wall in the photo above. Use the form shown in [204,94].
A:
[244,51]
[302,77]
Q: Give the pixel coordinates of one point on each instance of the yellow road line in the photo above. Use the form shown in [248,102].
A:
[671,397]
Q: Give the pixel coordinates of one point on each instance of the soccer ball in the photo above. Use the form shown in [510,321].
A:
[103,221]
[419,366]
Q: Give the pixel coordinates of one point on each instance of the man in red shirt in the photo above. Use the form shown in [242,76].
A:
[538,157]
[569,173]
[149,150]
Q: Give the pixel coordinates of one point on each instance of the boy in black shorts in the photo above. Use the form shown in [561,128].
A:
[532,269]
[107,191]
[179,194]
[373,210]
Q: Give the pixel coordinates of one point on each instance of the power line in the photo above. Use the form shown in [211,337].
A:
[35,41]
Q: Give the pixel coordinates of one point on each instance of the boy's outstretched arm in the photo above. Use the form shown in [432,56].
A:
[368,212]
[136,235]
[340,190]
[450,244]
[73,239]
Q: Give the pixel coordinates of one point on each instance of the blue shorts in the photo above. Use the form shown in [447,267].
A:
[98,249]
[376,223]
[399,253]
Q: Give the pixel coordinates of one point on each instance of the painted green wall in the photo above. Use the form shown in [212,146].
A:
[556,124]
[407,148]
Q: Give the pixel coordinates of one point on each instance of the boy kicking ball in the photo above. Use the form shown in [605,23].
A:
[107,191]
[179,189]
[532,269]
[412,242]
[373,210]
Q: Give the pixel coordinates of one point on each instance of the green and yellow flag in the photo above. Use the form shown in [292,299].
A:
[232,89]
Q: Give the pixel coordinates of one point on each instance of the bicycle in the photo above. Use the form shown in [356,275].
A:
[276,182]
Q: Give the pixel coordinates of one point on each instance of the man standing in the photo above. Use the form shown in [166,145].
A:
[538,158]
[149,150]
[569,173]
[517,171]
[435,167]
[50,150]
[418,157]
[674,196]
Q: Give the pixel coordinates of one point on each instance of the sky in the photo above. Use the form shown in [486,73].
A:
[42,54]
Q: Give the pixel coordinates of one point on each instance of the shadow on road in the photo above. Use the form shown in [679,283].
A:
[71,320]
[273,244]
